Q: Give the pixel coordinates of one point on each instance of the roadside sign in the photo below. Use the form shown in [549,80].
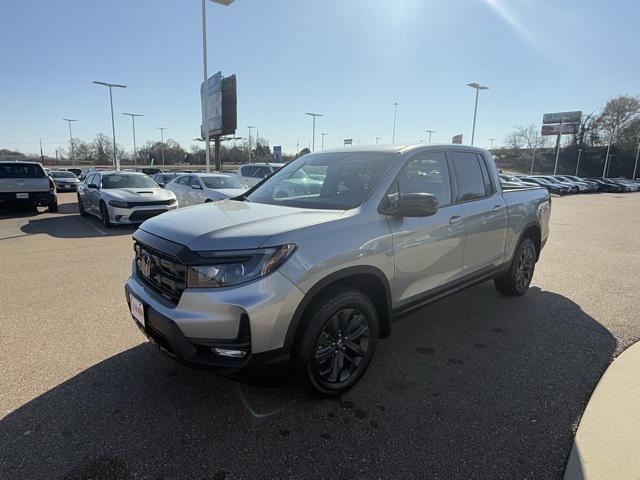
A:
[348,141]
[212,119]
[567,129]
[277,152]
[562,117]
[457,139]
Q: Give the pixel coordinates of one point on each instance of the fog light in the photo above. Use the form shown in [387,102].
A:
[225,352]
[118,217]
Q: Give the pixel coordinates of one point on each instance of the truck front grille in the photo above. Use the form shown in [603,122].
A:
[161,272]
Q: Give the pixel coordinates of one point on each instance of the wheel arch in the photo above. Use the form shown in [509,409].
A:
[369,280]
[533,231]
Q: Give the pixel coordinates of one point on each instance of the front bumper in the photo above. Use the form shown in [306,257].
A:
[137,214]
[252,317]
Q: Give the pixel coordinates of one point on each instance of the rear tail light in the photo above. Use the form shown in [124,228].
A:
[52,186]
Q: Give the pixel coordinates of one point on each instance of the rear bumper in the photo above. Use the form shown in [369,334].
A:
[33,198]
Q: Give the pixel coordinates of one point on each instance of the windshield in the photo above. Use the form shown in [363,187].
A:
[344,180]
[123,180]
[219,181]
[62,175]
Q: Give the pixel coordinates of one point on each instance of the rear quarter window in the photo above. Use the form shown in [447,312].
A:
[21,170]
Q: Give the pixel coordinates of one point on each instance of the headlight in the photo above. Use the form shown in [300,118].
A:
[118,203]
[240,266]
[173,201]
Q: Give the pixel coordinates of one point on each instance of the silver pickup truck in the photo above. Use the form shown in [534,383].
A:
[26,183]
[308,282]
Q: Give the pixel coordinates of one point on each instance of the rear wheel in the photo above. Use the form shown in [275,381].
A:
[518,278]
[337,341]
[104,215]
[81,207]
[53,205]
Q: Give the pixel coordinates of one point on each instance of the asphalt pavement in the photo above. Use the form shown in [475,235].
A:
[477,385]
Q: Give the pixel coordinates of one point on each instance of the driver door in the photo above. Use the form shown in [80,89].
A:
[428,251]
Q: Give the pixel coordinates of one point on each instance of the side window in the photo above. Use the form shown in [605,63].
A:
[89,179]
[469,175]
[193,180]
[247,171]
[427,173]
[262,172]
[97,179]
[182,180]
[488,184]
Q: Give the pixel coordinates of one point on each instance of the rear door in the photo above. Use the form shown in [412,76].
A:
[485,212]
[428,251]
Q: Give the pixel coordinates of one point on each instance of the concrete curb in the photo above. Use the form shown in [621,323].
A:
[607,443]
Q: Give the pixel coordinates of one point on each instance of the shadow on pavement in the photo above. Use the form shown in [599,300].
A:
[475,386]
[73,226]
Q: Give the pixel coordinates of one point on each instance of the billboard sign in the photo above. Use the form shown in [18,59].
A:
[212,118]
[567,129]
[229,105]
[348,141]
[457,139]
[562,117]
[277,152]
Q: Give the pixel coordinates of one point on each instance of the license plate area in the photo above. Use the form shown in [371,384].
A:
[22,196]
[137,310]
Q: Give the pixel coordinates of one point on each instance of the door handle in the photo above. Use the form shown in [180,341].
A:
[455,219]
[497,208]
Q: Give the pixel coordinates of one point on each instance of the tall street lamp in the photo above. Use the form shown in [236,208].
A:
[116,162]
[323,134]
[378,138]
[430,132]
[313,142]
[477,87]
[635,167]
[133,124]
[207,155]
[73,153]
[492,140]
[249,139]
[395,115]
[578,164]
[162,129]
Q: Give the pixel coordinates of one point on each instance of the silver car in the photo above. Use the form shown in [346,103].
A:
[123,197]
[277,278]
[195,188]
[65,181]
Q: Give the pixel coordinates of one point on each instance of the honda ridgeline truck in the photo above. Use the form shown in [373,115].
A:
[282,279]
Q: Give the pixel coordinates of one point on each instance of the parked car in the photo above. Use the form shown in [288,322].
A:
[26,184]
[625,181]
[549,178]
[583,187]
[251,174]
[604,186]
[263,282]
[594,185]
[513,179]
[163,178]
[614,181]
[551,187]
[148,170]
[198,188]
[65,181]
[123,197]
[75,171]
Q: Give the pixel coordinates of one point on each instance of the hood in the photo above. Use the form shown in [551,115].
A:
[138,194]
[231,224]
[230,192]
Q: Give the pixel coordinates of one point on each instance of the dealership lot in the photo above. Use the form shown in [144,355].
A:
[477,385]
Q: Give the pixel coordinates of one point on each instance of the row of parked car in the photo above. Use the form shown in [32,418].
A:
[567,184]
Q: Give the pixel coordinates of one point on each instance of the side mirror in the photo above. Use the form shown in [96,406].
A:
[409,205]
[196,187]
[161,185]
[92,186]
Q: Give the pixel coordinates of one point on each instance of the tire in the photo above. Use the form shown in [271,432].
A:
[53,206]
[83,213]
[325,360]
[104,215]
[518,278]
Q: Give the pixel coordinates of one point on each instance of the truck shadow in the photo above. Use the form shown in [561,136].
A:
[474,386]
[73,226]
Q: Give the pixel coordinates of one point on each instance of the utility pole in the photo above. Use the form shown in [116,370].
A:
[578,164]
[606,158]
[133,123]
[635,167]
[559,141]
[430,132]
[395,114]
[313,142]
[492,140]
[162,129]
[323,134]
[378,138]
[73,153]
[250,127]
[533,158]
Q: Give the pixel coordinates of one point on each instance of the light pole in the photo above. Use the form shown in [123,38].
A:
[162,129]
[73,154]
[430,132]
[477,87]
[635,167]
[378,138]
[250,127]
[578,164]
[492,140]
[606,158]
[395,115]
[116,162]
[313,141]
[323,134]
[533,157]
[207,156]
[133,124]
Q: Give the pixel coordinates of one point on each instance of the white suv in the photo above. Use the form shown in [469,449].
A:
[251,174]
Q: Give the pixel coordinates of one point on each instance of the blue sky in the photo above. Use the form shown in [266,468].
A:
[347,59]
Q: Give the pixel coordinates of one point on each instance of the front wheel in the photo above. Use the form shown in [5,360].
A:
[104,215]
[518,278]
[83,213]
[336,341]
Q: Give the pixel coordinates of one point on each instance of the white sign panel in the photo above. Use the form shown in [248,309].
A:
[212,119]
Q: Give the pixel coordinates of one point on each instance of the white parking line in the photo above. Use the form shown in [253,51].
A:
[99,230]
